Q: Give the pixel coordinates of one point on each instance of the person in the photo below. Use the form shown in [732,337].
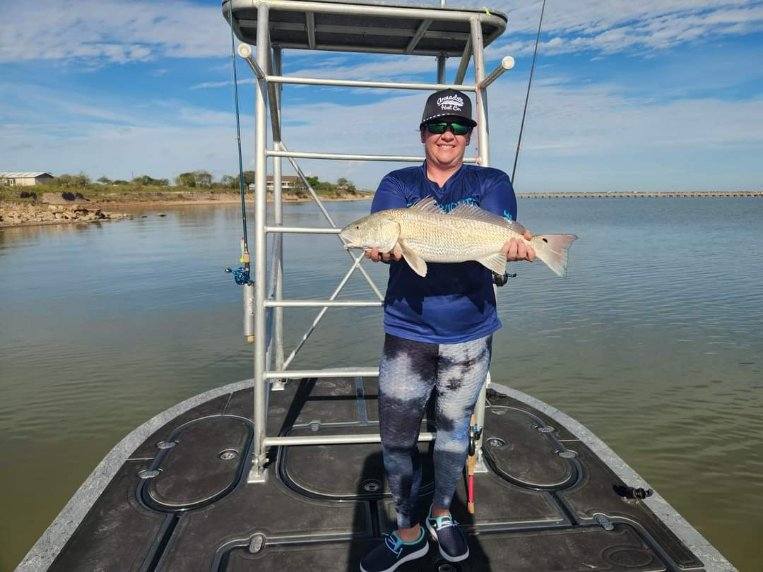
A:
[438,334]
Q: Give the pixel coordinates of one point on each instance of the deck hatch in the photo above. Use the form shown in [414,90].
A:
[205,463]
[522,453]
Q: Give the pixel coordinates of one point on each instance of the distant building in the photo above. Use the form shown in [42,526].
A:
[21,179]
[289,184]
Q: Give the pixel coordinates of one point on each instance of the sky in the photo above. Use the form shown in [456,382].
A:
[653,95]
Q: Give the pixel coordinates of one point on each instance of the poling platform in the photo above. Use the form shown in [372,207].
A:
[173,495]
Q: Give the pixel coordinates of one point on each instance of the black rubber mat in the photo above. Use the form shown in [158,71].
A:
[521,452]
[207,459]
[581,549]
[500,506]
[117,532]
[268,509]
[342,471]
[597,493]
[539,506]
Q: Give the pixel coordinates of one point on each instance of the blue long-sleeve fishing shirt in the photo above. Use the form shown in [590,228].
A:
[455,302]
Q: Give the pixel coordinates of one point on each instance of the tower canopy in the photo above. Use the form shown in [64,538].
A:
[416,29]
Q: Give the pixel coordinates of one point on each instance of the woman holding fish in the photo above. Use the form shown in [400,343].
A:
[444,227]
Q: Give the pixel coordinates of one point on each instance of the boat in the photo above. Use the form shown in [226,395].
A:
[284,471]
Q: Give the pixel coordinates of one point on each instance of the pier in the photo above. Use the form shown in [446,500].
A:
[643,195]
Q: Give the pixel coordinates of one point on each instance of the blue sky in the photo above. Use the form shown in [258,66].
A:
[648,95]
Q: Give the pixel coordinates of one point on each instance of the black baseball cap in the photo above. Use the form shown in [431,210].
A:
[448,103]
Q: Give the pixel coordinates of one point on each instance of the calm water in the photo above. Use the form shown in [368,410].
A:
[654,341]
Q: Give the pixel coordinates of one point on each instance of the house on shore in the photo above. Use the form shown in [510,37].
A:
[24,179]
[289,184]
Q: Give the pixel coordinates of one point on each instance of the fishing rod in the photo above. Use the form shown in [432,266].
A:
[527,95]
[241,275]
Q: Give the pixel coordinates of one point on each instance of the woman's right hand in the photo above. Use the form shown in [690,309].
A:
[373,254]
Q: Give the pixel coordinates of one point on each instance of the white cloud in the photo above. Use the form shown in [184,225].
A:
[618,26]
[118,31]
[224,83]
[111,30]
[577,138]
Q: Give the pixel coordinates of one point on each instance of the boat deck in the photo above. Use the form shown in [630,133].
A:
[180,500]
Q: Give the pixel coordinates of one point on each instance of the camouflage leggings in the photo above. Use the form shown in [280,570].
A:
[408,373]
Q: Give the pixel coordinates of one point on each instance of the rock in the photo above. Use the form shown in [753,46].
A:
[13,214]
[62,198]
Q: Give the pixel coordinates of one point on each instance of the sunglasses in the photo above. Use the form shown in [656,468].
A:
[438,128]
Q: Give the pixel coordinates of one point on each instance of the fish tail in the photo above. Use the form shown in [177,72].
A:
[552,250]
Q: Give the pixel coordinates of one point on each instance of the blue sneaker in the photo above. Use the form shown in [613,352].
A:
[393,552]
[449,536]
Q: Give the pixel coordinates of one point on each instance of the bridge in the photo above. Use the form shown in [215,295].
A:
[642,195]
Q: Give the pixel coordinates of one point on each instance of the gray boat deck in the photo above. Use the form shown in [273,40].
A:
[180,501]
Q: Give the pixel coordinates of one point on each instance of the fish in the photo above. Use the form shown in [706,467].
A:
[424,233]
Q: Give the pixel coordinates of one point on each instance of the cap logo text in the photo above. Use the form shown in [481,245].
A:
[450,102]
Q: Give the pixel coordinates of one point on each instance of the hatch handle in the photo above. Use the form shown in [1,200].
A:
[603,521]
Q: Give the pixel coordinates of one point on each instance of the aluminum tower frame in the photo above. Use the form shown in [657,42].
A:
[263,306]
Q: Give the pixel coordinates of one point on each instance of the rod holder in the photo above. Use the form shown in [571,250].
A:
[506,64]
[245,51]
[248,290]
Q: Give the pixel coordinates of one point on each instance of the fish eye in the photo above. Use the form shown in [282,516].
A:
[544,239]
[357,227]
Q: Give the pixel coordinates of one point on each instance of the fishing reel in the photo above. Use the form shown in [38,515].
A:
[475,432]
[499,280]
[240,275]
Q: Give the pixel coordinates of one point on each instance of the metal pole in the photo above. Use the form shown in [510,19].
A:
[351,157]
[506,64]
[441,68]
[278,219]
[324,373]
[257,474]
[464,63]
[320,315]
[481,95]
[484,155]
[275,79]
[351,439]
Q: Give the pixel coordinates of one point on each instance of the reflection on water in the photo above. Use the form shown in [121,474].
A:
[654,341]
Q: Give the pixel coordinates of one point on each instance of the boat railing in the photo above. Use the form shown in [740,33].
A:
[269,26]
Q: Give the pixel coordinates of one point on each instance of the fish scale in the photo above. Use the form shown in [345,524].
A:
[446,238]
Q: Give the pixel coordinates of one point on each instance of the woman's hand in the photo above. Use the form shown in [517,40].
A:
[516,249]
[395,255]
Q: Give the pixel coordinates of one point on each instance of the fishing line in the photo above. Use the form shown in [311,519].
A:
[527,95]
[241,182]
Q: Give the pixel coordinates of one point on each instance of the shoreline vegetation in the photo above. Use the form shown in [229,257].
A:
[76,199]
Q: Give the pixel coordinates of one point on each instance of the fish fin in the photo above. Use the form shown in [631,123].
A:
[495,262]
[473,212]
[392,244]
[427,205]
[415,261]
[552,250]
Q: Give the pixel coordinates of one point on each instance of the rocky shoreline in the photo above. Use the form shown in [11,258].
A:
[28,214]
[73,207]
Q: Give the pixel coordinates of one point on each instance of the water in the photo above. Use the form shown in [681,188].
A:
[654,341]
